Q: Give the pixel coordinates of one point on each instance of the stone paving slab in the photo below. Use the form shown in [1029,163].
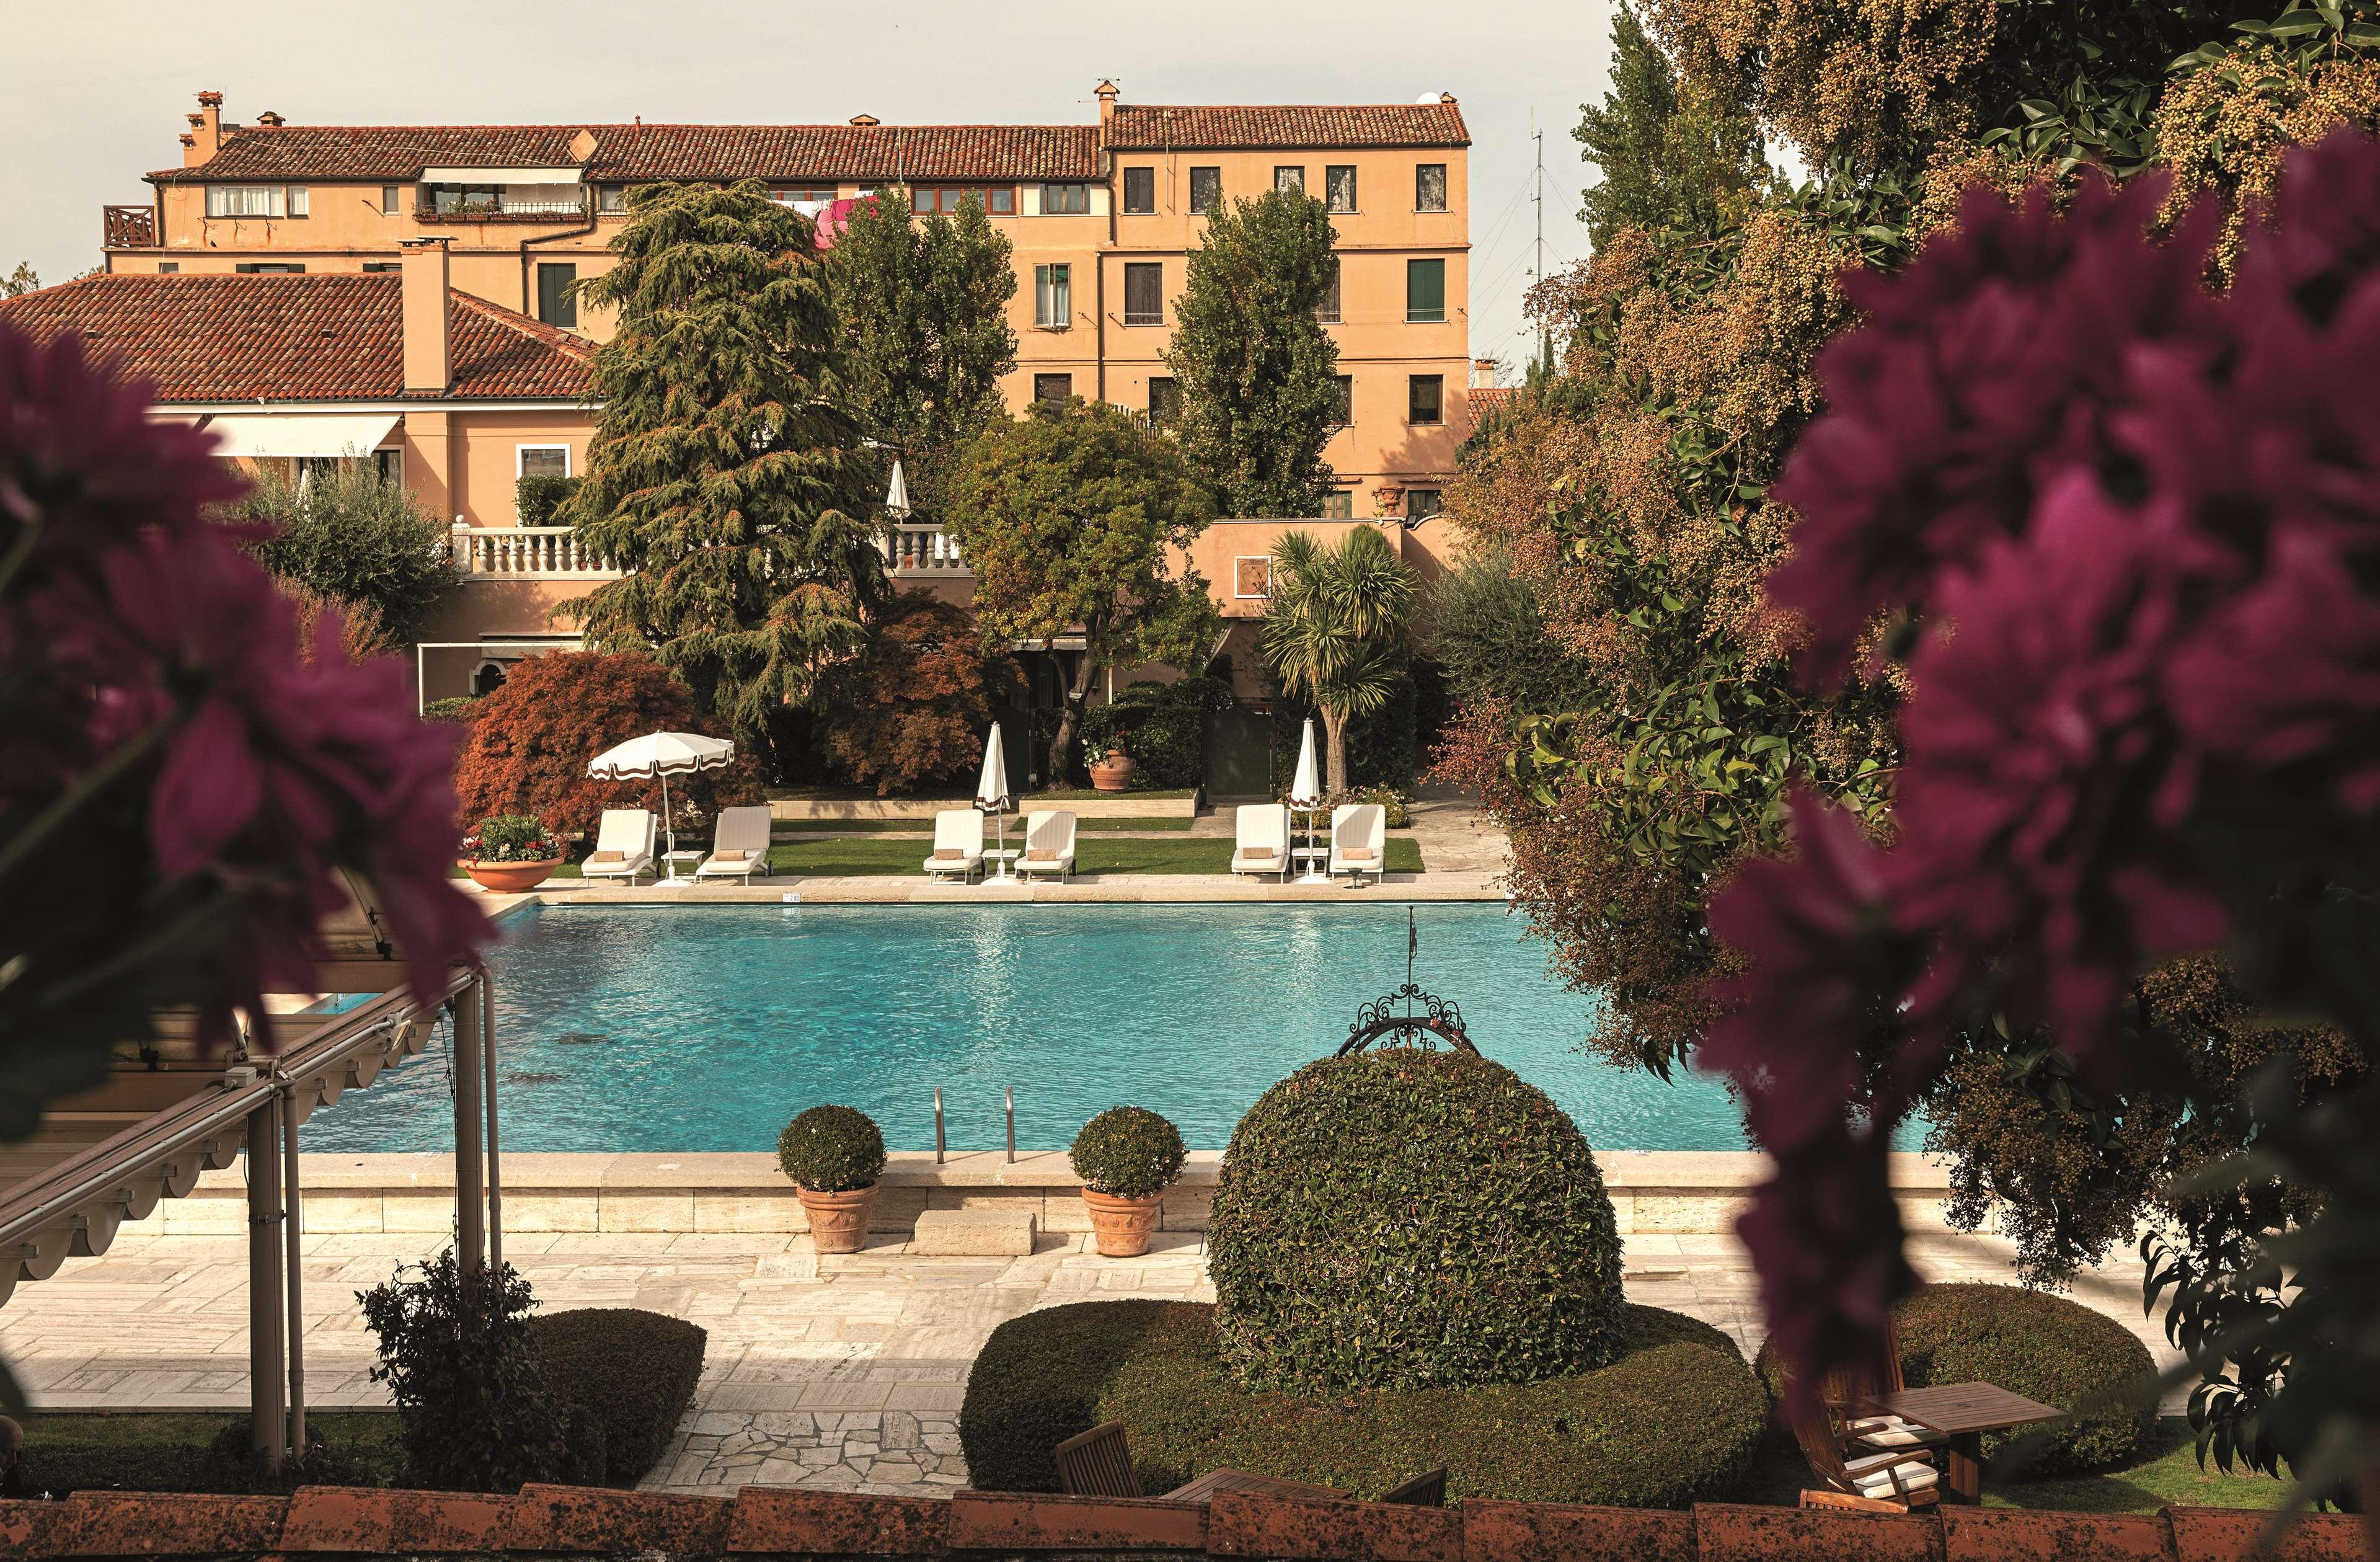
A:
[836,1372]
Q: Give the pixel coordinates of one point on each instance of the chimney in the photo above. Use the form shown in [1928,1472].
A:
[427,366]
[1483,373]
[866,119]
[206,131]
[1446,98]
[1106,96]
[271,120]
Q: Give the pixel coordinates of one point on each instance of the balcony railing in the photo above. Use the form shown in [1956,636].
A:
[500,211]
[127,227]
[924,550]
[552,553]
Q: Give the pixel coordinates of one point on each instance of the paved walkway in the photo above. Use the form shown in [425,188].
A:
[842,1372]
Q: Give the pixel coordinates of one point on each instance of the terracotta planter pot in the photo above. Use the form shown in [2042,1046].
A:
[1122,1226]
[838,1221]
[1115,772]
[511,878]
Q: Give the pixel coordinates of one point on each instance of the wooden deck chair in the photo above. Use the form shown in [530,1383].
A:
[1097,1463]
[1425,1490]
[1863,1432]
[1905,1478]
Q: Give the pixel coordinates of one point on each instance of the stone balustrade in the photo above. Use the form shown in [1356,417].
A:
[532,552]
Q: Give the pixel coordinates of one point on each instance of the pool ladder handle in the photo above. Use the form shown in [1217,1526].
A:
[941,1144]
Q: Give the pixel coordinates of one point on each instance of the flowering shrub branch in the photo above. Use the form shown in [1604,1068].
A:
[2129,532]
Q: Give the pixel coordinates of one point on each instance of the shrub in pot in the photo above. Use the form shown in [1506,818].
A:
[834,1155]
[1127,1157]
[511,852]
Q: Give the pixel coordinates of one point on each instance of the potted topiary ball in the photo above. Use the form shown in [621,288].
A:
[1127,1157]
[511,853]
[834,1155]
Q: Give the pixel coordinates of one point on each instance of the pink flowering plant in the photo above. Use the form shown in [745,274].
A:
[2125,533]
[511,838]
[182,798]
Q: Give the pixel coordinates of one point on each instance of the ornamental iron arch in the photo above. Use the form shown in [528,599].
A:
[1408,1016]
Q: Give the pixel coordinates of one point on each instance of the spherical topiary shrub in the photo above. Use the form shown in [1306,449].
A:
[2045,1348]
[1128,1152]
[1407,1219]
[832,1150]
[1674,1419]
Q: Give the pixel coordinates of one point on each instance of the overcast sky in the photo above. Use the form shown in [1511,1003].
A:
[93,94]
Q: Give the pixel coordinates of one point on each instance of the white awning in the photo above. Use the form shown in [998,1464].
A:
[564,176]
[259,435]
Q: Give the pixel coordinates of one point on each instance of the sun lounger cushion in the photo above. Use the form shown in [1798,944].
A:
[608,856]
[729,856]
[948,854]
[1041,854]
[1258,853]
[1355,853]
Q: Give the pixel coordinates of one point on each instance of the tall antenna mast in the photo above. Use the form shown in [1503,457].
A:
[1538,182]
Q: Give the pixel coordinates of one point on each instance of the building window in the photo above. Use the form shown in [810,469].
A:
[1421,504]
[1426,291]
[1342,406]
[1164,401]
[1339,185]
[384,266]
[1429,187]
[1206,191]
[1140,189]
[256,201]
[557,304]
[612,200]
[1251,576]
[1055,388]
[392,200]
[1338,504]
[802,195]
[268,268]
[1065,200]
[1054,300]
[1289,181]
[1426,399]
[1327,311]
[1144,293]
[543,460]
[167,268]
[944,201]
[391,466]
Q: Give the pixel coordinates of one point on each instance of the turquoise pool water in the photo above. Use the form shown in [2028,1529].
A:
[623,1029]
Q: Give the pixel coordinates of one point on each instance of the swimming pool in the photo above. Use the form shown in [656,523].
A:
[706,1029]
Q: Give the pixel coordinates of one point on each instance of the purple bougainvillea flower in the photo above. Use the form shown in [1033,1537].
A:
[1826,1237]
[1977,380]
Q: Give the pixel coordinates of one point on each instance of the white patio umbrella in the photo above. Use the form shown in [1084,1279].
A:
[991,792]
[897,495]
[664,754]
[1306,796]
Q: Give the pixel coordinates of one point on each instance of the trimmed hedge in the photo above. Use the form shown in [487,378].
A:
[623,1376]
[832,1150]
[1674,1420]
[1405,1219]
[2045,1348]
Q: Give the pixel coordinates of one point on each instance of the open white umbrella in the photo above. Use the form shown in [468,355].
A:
[991,792]
[1306,796]
[664,754]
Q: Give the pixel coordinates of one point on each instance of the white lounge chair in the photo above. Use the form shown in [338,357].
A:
[740,845]
[623,845]
[1262,836]
[1359,840]
[1048,842]
[958,844]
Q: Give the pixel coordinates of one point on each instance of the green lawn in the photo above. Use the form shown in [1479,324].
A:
[861,858]
[165,1452]
[2167,1472]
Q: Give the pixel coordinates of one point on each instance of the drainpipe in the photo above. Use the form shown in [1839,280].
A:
[297,1310]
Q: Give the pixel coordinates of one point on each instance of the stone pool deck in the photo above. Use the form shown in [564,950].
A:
[828,1372]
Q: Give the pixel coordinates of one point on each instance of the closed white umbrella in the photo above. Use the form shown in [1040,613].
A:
[1306,795]
[664,754]
[896,496]
[991,792]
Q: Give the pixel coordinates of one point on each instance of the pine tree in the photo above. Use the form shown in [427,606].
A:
[922,305]
[726,476]
[1672,156]
[1253,367]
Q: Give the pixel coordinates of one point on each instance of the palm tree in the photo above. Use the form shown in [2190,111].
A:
[1334,634]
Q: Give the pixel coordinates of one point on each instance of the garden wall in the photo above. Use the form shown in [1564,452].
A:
[1674,1192]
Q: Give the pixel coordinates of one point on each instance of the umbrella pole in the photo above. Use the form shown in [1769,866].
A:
[669,829]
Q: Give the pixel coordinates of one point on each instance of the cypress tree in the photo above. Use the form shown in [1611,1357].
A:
[726,475]
[1253,367]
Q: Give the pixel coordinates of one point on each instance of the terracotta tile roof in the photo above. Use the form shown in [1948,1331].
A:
[1155,127]
[630,152]
[318,337]
[776,1521]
